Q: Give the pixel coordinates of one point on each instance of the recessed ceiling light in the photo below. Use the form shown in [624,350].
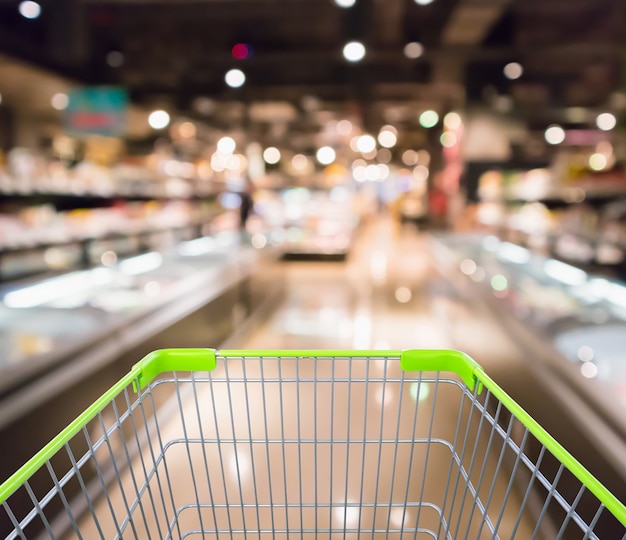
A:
[29,9]
[354,51]
[159,119]
[235,78]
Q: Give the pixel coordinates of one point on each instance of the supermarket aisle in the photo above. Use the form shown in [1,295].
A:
[387,295]
[362,458]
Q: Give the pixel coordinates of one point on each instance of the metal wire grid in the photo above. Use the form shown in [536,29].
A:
[338,447]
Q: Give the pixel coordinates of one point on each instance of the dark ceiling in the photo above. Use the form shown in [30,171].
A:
[176,51]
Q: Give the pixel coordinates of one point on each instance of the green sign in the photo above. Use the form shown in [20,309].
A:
[97,110]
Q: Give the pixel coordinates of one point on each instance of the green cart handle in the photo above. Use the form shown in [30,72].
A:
[191,360]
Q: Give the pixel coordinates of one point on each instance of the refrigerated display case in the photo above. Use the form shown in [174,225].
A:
[581,314]
[44,320]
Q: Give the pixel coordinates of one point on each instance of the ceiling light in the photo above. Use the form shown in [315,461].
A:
[354,51]
[345,3]
[429,119]
[413,50]
[60,101]
[387,138]
[271,155]
[365,144]
[606,121]
[158,119]
[513,70]
[226,145]
[29,9]
[423,2]
[325,155]
[452,120]
[115,59]
[554,134]
[597,162]
[235,78]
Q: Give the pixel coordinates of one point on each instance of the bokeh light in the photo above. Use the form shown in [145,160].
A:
[159,119]
[387,138]
[115,59]
[413,50]
[235,78]
[354,51]
[598,162]
[345,3]
[299,162]
[606,121]
[240,51]
[325,155]
[513,70]
[366,143]
[60,101]
[187,130]
[271,155]
[554,134]
[410,157]
[452,120]
[344,127]
[448,139]
[226,146]
[29,9]
[429,119]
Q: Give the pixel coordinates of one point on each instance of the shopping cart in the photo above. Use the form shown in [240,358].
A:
[197,443]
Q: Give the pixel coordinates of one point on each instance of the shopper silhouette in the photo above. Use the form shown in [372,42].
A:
[245,206]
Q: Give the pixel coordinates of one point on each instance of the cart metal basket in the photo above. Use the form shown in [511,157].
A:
[197,443]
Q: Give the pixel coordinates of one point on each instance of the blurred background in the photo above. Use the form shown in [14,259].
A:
[364,174]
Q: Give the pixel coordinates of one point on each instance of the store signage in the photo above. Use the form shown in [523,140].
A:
[98,110]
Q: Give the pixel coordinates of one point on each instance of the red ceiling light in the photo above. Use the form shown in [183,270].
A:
[241,51]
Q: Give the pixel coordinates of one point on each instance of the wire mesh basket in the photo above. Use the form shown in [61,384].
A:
[197,443]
